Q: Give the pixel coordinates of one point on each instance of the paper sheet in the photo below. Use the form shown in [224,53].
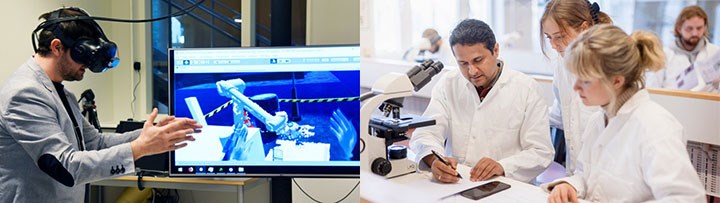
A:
[375,188]
[710,68]
[437,190]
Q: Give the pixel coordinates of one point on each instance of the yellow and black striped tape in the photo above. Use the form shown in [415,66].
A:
[321,100]
[342,99]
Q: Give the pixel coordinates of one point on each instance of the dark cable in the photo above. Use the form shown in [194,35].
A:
[179,13]
[176,198]
[362,144]
[140,183]
[306,194]
[100,18]
[132,103]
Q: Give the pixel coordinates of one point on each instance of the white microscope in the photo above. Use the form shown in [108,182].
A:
[378,134]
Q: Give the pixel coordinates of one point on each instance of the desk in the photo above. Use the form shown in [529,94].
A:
[247,189]
[416,187]
[374,188]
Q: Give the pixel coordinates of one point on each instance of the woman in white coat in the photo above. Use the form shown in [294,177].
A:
[633,150]
[561,22]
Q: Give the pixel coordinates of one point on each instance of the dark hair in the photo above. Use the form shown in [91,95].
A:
[432,35]
[74,29]
[471,32]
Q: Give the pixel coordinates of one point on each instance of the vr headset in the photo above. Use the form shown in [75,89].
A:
[98,54]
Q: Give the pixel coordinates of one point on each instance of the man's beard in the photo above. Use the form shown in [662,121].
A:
[692,41]
[67,72]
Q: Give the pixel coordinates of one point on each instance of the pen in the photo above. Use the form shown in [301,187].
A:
[443,161]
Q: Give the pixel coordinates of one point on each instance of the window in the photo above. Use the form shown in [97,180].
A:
[212,24]
[387,22]
[397,24]
[393,17]
[659,16]
[217,23]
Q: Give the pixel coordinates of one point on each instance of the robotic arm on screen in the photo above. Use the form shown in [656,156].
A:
[379,133]
[235,145]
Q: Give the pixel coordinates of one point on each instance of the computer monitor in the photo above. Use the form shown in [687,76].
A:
[290,111]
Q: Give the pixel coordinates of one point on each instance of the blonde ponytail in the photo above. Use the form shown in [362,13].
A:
[605,51]
[652,57]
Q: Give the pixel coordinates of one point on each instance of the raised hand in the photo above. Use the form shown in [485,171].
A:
[165,136]
[344,131]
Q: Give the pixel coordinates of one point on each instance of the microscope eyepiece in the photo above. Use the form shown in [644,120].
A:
[421,74]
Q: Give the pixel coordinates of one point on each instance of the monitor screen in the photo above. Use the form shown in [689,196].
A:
[290,111]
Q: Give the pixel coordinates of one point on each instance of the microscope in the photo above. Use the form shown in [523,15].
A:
[377,154]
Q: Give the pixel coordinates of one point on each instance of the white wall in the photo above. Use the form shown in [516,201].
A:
[699,117]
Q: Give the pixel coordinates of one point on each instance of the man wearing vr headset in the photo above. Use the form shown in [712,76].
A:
[49,152]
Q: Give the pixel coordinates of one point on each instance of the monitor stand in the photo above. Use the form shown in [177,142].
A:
[281,189]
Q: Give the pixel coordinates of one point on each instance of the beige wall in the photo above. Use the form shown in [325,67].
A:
[113,89]
[330,22]
[333,22]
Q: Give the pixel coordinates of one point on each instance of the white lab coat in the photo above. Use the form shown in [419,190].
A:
[569,113]
[640,156]
[677,61]
[509,126]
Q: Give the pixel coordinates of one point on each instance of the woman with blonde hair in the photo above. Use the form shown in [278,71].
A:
[633,150]
[561,22]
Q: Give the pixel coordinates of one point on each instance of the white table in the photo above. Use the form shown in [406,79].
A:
[404,189]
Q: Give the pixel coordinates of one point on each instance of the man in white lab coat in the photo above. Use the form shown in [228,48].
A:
[692,62]
[490,118]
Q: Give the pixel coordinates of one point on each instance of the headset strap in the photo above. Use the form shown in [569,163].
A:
[54,20]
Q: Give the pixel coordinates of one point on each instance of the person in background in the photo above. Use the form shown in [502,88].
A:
[690,56]
[562,22]
[634,149]
[48,151]
[488,117]
[433,47]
